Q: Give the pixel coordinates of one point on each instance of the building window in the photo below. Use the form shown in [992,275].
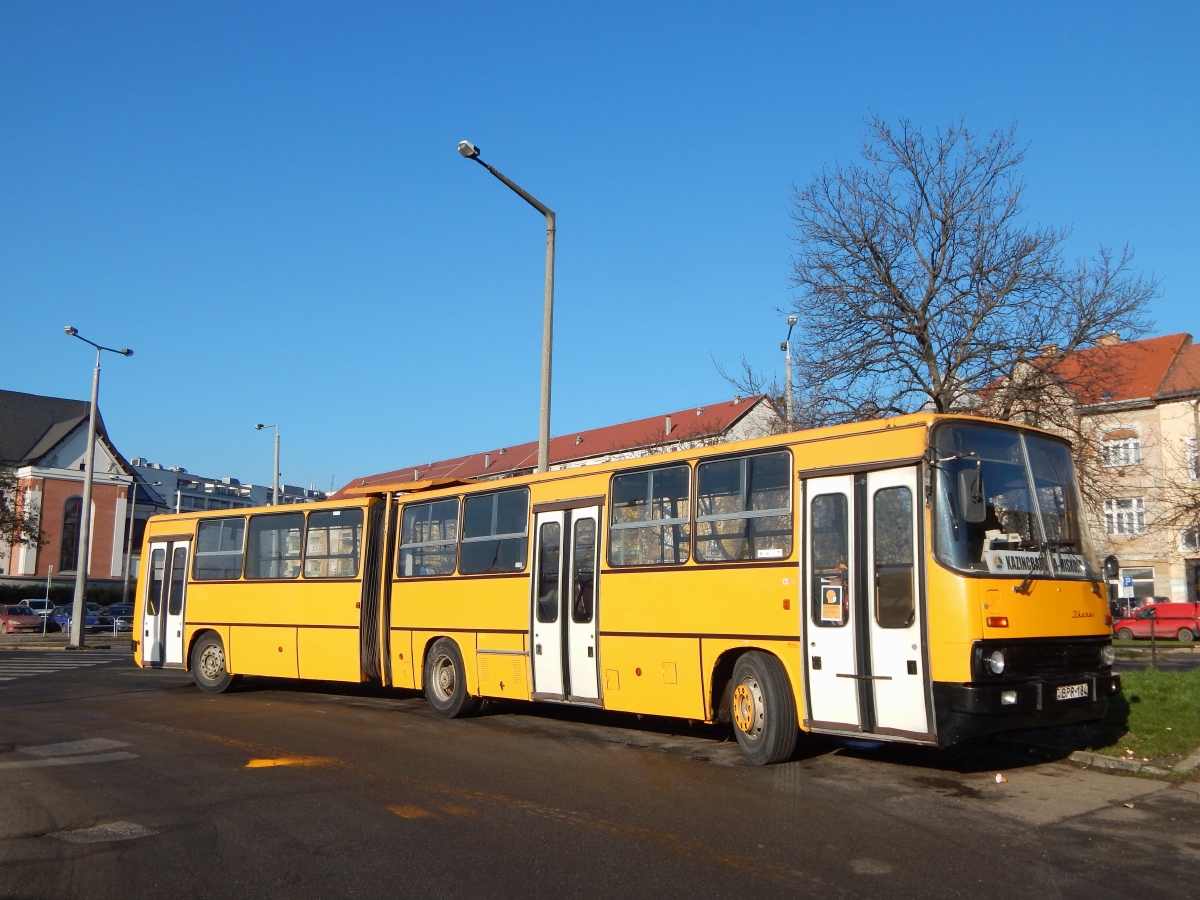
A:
[1125,516]
[69,553]
[1143,583]
[1121,449]
[1189,539]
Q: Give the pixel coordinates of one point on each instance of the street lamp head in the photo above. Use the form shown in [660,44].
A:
[468,150]
[791,320]
[125,352]
[259,427]
[70,330]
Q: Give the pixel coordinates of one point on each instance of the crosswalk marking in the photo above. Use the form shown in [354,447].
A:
[21,663]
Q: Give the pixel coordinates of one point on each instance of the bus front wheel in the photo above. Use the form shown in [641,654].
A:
[763,711]
[210,670]
[446,681]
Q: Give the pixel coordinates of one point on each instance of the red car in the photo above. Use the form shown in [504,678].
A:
[1172,621]
[19,618]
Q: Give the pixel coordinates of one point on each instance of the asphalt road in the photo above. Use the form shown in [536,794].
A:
[120,783]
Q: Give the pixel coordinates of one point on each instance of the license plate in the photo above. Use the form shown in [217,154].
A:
[1071,692]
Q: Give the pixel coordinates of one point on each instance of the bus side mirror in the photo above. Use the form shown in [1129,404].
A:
[970,495]
[1112,567]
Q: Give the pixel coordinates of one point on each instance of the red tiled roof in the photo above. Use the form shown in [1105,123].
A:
[1132,370]
[1185,377]
[687,424]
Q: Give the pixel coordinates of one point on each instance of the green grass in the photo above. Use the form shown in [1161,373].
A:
[1157,716]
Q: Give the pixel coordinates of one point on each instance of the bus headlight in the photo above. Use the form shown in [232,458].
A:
[1107,655]
[995,662]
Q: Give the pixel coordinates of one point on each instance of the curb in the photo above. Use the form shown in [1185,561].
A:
[1189,762]
[1116,763]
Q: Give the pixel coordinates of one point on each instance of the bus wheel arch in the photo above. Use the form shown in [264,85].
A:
[209,664]
[444,679]
[759,701]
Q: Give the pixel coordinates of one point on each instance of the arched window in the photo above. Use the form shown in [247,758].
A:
[69,554]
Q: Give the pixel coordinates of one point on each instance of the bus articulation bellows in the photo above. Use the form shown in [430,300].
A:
[924,579]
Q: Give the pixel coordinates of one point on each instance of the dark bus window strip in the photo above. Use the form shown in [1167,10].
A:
[706,567]
[694,635]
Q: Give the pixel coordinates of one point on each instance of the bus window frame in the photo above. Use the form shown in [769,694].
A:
[195,536]
[790,509]
[690,465]
[299,576]
[396,574]
[520,571]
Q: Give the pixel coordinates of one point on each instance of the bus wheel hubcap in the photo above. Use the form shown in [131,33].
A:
[443,677]
[748,712]
[212,663]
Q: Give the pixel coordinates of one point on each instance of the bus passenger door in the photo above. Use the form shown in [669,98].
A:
[152,606]
[832,665]
[546,625]
[895,619]
[176,590]
[583,683]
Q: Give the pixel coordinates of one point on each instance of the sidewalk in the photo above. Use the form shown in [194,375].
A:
[59,641]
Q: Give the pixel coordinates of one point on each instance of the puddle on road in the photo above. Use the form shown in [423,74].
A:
[949,787]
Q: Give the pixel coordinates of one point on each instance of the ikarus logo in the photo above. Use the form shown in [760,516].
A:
[997,563]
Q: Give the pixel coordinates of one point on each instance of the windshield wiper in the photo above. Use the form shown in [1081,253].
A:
[1043,548]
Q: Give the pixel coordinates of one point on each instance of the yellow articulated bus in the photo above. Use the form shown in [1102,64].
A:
[924,579]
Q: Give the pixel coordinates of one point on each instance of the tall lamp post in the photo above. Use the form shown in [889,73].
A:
[129,537]
[786,347]
[470,151]
[85,512]
[275,489]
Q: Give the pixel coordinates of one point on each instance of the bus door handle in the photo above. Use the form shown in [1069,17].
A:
[537,649]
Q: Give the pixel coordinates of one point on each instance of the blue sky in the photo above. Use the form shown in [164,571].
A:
[264,200]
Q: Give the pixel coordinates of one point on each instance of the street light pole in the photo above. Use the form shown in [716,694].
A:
[85,513]
[129,537]
[470,151]
[786,347]
[275,489]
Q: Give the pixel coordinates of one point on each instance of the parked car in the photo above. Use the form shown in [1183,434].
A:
[92,623]
[1178,621]
[15,619]
[44,609]
[122,616]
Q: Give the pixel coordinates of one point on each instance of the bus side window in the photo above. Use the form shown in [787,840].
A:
[154,596]
[829,526]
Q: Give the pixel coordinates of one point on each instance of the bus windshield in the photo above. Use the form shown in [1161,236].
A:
[1007,504]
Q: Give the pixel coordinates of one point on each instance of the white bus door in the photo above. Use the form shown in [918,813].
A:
[564,605]
[164,601]
[152,620]
[831,620]
[898,663]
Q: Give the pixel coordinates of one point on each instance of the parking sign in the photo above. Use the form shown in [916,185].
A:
[1126,587]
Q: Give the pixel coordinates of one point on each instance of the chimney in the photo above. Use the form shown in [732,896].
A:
[487,460]
[668,426]
[1050,350]
[1109,340]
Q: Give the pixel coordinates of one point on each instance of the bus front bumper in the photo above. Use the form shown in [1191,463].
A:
[965,711]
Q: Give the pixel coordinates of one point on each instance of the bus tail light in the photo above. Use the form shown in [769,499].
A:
[1108,620]
[997,621]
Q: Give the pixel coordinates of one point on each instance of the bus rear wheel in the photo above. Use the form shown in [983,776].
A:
[763,709]
[446,681]
[1124,634]
[210,670]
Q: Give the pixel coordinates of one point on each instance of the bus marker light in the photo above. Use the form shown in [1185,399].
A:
[637,671]
[1008,698]
[787,604]
[1108,620]
[997,621]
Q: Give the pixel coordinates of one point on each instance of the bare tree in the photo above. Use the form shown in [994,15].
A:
[17,524]
[919,284]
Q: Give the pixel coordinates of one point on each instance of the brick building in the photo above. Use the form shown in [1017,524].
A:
[44,439]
